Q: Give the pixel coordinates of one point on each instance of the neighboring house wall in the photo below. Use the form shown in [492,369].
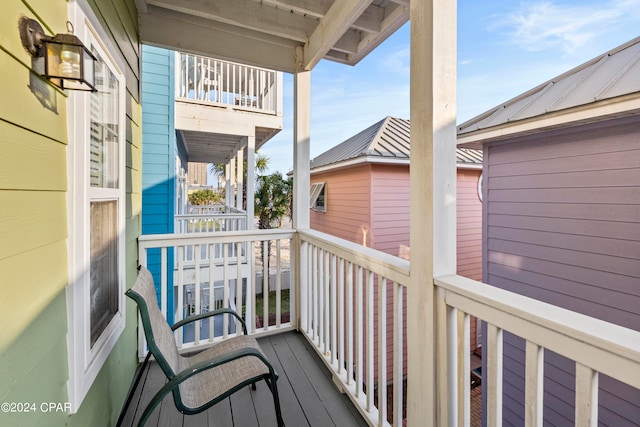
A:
[369,205]
[469,233]
[390,209]
[562,225]
[159,140]
[34,228]
[348,214]
[469,225]
[159,153]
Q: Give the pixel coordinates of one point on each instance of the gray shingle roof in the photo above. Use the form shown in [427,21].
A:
[610,75]
[387,139]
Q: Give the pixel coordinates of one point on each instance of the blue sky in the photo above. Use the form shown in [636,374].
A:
[504,49]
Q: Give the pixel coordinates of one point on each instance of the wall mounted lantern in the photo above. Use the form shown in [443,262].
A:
[68,64]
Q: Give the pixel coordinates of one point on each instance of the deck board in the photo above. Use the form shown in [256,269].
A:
[308,397]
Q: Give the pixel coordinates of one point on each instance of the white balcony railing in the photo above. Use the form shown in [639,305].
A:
[227,84]
[260,276]
[213,221]
[211,210]
[346,292]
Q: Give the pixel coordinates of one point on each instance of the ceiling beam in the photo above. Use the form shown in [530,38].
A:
[370,20]
[348,43]
[313,8]
[245,14]
[393,20]
[336,22]
[191,34]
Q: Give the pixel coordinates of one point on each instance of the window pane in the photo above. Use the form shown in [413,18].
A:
[104,265]
[103,157]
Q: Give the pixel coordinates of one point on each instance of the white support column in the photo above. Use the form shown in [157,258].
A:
[232,181]
[240,179]
[227,184]
[301,148]
[251,178]
[432,212]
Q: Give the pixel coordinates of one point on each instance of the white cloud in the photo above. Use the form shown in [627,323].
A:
[542,25]
[397,61]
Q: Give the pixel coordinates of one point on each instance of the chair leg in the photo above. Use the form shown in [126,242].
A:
[276,399]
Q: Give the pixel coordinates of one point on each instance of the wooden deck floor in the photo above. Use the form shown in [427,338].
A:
[308,397]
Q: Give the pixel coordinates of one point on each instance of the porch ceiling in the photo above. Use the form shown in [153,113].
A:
[209,147]
[284,35]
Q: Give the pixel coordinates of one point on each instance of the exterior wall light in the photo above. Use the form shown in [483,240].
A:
[68,64]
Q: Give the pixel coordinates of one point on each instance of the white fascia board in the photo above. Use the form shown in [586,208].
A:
[474,166]
[361,160]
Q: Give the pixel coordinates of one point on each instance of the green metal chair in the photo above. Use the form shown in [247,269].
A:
[206,378]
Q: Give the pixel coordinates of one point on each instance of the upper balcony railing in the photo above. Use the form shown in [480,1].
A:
[226,84]
[343,293]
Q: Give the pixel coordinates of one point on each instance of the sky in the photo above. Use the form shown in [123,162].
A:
[505,48]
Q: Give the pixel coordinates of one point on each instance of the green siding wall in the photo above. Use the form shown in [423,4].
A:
[33,222]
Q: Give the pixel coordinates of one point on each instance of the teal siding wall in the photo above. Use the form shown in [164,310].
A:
[158,153]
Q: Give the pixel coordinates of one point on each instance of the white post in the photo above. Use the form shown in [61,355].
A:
[432,212]
[301,148]
[240,179]
[301,180]
[250,142]
[232,181]
[251,178]
[227,184]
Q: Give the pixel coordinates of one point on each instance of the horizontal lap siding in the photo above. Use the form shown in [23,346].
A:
[348,204]
[562,225]
[390,209]
[33,222]
[158,139]
[469,225]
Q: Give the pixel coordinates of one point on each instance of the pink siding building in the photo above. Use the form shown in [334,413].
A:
[362,195]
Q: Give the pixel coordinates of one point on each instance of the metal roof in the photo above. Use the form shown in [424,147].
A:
[611,75]
[384,141]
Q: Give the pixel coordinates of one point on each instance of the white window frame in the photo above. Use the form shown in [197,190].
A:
[86,361]
[314,192]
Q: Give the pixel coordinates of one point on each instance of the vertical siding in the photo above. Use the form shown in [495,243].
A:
[33,224]
[563,226]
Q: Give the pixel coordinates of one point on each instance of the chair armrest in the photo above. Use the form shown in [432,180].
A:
[208,314]
[200,367]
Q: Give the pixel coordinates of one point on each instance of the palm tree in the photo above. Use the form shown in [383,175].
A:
[261,165]
[262,162]
[272,197]
[272,202]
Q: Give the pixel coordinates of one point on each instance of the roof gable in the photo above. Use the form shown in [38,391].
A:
[388,139]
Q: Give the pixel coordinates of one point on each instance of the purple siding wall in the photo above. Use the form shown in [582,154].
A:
[562,225]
